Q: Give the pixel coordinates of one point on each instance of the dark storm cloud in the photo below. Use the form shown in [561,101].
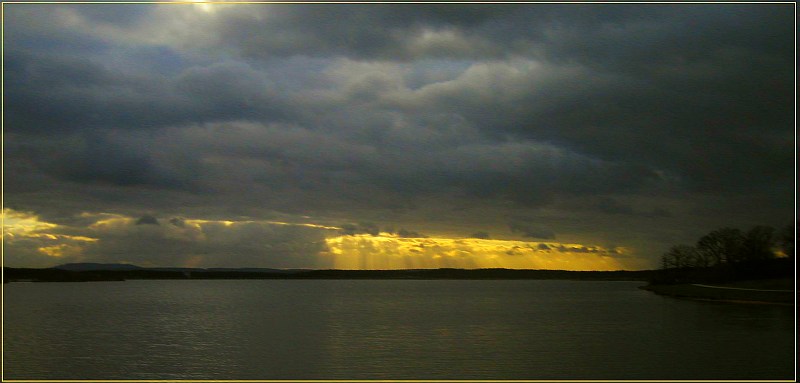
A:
[717,76]
[369,112]
[115,14]
[712,82]
[606,124]
[612,207]
[371,32]
[147,220]
[403,233]
[577,249]
[63,93]
[618,35]
[54,93]
[359,228]
[530,229]
[110,157]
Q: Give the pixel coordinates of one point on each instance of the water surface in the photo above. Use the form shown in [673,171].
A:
[385,329]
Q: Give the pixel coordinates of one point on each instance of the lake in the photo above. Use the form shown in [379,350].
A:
[385,329]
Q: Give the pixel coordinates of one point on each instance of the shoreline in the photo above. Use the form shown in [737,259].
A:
[724,293]
[59,275]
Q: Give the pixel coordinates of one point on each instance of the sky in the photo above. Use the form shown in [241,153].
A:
[384,136]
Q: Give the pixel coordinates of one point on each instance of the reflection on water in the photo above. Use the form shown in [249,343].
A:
[339,329]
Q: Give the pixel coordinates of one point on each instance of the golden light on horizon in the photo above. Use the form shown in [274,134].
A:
[198,223]
[354,252]
[388,251]
[60,250]
[24,226]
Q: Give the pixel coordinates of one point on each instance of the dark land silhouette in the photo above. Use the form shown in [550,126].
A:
[728,255]
[116,272]
[757,265]
[726,264]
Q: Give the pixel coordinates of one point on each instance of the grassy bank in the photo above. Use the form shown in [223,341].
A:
[776,291]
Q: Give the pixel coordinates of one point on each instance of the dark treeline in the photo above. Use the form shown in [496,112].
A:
[730,254]
[60,275]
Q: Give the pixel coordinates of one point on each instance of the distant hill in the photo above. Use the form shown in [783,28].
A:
[97,267]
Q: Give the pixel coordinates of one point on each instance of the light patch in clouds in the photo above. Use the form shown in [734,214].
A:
[26,238]
[197,223]
[390,251]
[107,237]
[114,238]
[22,223]
[61,250]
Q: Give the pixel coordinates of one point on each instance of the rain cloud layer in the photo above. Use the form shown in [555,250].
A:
[569,136]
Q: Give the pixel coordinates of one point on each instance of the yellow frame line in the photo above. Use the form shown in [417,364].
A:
[397,2]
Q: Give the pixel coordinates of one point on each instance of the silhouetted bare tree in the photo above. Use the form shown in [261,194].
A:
[721,246]
[758,244]
[680,256]
[728,254]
